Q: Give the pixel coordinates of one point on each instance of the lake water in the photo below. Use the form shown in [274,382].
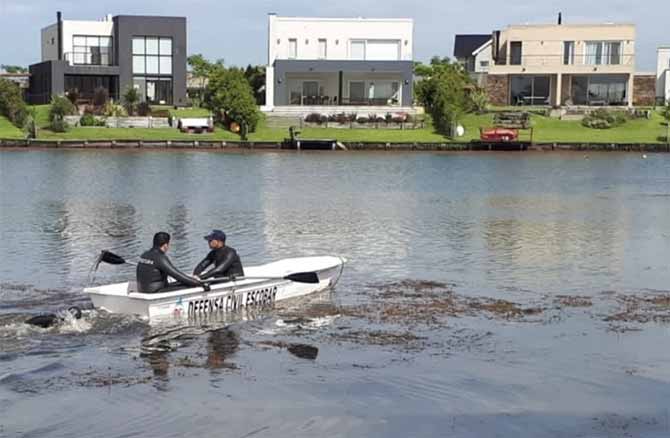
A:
[578,244]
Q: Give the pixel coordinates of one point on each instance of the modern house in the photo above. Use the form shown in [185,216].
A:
[564,65]
[473,52]
[663,75]
[331,65]
[147,53]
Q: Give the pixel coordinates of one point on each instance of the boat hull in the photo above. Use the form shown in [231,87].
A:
[224,297]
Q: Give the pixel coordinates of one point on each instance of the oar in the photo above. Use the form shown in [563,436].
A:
[298,277]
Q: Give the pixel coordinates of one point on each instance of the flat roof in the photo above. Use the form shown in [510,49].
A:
[335,19]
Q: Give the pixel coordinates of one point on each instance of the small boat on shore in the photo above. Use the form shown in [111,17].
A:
[262,286]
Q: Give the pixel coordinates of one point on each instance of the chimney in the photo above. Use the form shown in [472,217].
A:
[59,19]
[560,18]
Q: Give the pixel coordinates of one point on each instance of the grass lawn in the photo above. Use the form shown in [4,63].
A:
[546,130]
[8,130]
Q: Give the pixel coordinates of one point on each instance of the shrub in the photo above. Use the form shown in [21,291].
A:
[362,119]
[12,104]
[479,101]
[603,119]
[89,119]
[59,125]
[29,125]
[114,110]
[130,99]
[161,113]
[143,109]
[61,107]
[100,97]
[316,118]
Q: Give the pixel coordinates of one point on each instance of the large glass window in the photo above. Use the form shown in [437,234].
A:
[90,50]
[603,53]
[384,92]
[599,90]
[530,90]
[356,92]
[155,90]
[152,55]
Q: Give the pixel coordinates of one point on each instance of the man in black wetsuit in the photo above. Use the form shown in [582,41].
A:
[154,267]
[225,259]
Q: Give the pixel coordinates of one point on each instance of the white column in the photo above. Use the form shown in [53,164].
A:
[269,88]
[559,89]
[631,79]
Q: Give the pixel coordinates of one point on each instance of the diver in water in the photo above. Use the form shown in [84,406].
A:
[50,319]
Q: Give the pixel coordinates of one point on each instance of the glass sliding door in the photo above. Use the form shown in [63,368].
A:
[530,90]
[598,90]
[357,92]
[152,69]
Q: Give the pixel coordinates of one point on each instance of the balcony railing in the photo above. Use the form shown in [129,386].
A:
[89,58]
[562,60]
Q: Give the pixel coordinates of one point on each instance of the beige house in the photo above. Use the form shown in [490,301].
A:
[558,65]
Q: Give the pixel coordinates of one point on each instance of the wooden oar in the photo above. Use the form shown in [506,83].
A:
[298,277]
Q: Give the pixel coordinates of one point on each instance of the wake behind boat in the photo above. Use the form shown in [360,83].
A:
[262,285]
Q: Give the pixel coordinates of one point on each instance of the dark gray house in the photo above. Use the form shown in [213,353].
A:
[144,52]
[473,52]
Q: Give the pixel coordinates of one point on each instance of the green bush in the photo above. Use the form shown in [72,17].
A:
[89,119]
[59,125]
[114,110]
[604,119]
[61,107]
[130,99]
[12,104]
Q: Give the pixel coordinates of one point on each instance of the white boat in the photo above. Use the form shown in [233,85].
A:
[267,286]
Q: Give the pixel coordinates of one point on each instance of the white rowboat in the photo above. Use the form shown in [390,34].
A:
[223,297]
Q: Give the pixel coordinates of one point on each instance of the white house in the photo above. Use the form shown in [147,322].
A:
[663,74]
[330,65]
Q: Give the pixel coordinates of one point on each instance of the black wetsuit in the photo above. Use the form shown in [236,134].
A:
[226,264]
[153,269]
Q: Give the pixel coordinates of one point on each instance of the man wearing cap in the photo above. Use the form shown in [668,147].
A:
[224,258]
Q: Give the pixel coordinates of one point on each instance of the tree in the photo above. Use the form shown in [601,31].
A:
[130,99]
[256,77]
[60,107]
[12,104]
[201,68]
[445,92]
[13,69]
[230,97]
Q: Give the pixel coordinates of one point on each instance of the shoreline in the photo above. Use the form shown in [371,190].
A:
[351,146]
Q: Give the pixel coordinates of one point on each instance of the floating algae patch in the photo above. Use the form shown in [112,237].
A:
[573,301]
[502,309]
[409,341]
[641,309]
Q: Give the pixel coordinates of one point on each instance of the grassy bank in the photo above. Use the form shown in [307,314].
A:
[546,130]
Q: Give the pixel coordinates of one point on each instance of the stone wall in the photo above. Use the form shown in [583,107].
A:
[644,90]
[497,89]
[125,122]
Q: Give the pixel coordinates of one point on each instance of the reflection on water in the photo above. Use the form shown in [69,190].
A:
[503,233]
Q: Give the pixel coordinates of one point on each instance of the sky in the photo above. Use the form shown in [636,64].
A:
[236,31]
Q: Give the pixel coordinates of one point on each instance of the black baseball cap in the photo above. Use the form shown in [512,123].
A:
[216,235]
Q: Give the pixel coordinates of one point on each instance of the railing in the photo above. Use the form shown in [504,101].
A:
[562,60]
[80,58]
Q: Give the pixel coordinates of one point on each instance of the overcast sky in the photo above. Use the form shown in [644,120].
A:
[237,30]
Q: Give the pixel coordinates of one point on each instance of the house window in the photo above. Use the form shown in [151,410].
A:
[530,90]
[599,90]
[484,65]
[356,92]
[384,92]
[323,49]
[603,53]
[568,52]
[292,48]
[515,53]
[357,50]
[152,68]
[90,50]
